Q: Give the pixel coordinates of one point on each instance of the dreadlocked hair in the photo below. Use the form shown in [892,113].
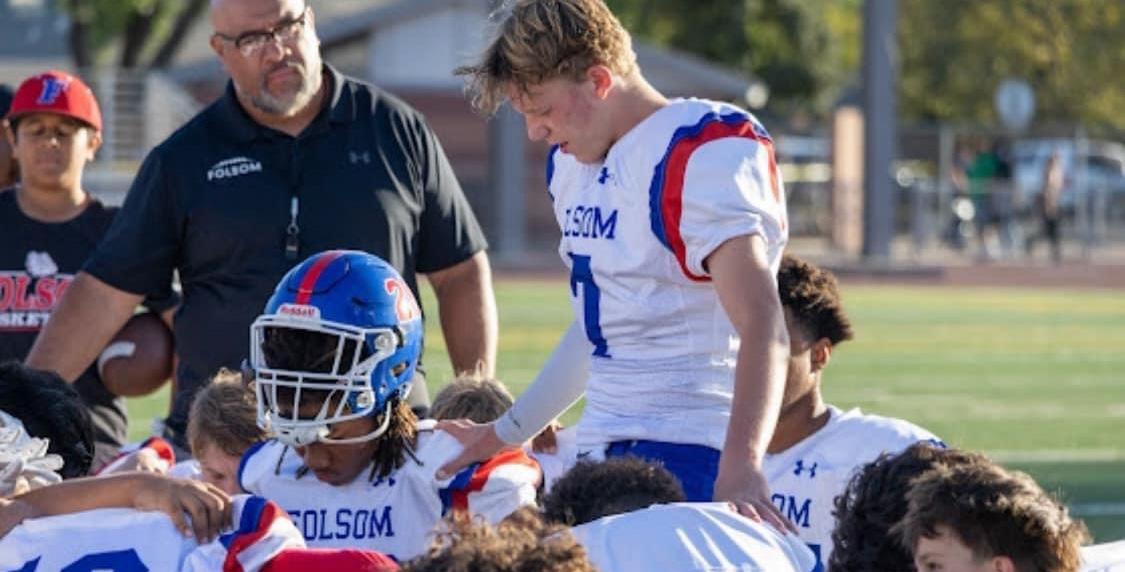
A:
[315,352]
[812,296]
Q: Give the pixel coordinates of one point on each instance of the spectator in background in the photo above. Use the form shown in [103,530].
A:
[979,516]
[1047,207]
[8,171]
[295,158]
[49,225]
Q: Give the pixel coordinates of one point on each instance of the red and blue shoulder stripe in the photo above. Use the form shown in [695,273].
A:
[666,193]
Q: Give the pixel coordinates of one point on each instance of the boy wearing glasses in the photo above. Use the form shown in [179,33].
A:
[295,158]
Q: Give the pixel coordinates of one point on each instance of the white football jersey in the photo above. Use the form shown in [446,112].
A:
[127,539]
[690,536]
[806,478]
[636,231]
[393,515]
[556,464]
[1105,557]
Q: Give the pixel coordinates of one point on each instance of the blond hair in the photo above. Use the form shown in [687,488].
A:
[224,414]
[540,40]
[472,396]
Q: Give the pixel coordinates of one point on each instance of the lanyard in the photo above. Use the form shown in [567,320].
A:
[292,232]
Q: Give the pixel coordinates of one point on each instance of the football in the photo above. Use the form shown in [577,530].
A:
[139,359]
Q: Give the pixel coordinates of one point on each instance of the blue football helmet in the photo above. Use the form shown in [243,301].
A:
[363,303]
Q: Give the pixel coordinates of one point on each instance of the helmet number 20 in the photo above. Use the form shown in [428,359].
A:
[406,307]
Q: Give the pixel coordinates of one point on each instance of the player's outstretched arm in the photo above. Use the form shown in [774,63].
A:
[559,384]
[208,508]
[747,291]
[88,316]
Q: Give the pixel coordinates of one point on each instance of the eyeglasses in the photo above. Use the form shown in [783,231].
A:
[250,44]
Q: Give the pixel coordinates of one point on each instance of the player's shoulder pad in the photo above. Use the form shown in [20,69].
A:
[885,433]
[265,458]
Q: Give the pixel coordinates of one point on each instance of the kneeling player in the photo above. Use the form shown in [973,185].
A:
[332,356]
[817,447]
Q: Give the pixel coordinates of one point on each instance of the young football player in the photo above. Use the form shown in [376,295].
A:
[673,220]
[222,426]
[483,400]
[332,358]
[817,447]
[627,513]
[980,517]
[874,501]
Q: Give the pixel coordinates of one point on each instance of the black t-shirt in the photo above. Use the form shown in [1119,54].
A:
[38,260]
[214,202]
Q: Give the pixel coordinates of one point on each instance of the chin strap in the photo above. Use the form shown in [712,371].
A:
[304,436]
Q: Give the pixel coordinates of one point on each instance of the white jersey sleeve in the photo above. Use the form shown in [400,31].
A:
[690,537]
[731,188]
[492,488]
[127,539]
[1105,557]
[188,470]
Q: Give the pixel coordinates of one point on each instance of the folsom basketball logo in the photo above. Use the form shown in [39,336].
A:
[233,167]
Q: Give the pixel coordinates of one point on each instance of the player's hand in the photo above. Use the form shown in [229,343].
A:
[144,460]
[197,509]
[745,487]
[479,442]
[547,441]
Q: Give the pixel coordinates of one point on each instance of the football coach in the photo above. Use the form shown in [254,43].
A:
[293,159]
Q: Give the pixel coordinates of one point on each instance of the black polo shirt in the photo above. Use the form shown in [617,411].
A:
[214,200]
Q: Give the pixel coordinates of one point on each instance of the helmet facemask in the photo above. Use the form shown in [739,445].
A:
[329,372]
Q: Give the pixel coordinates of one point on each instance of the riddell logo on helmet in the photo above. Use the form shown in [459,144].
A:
[299,311]
[233,167]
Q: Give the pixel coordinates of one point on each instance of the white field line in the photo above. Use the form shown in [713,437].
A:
[1088,509]
[1057,455]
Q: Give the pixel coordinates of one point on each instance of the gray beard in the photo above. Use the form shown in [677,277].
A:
[289,105]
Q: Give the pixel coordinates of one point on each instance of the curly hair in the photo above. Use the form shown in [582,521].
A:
[303,350]
[591,490]
[540,40]
[994,512]
[51,409]
[522,542]
[472,396]
[812,296]
[875,500]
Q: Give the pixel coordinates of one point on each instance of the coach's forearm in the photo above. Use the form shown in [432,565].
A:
[87,317]
[467,306]
[559,384]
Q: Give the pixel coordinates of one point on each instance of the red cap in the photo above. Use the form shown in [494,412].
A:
[57,92]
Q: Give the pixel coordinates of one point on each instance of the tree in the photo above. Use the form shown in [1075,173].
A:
[798,47]
[145,33]
[955,53]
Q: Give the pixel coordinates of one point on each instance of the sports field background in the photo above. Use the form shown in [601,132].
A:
[1034,377]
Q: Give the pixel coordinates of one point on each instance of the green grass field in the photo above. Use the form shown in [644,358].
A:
[1033,377]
